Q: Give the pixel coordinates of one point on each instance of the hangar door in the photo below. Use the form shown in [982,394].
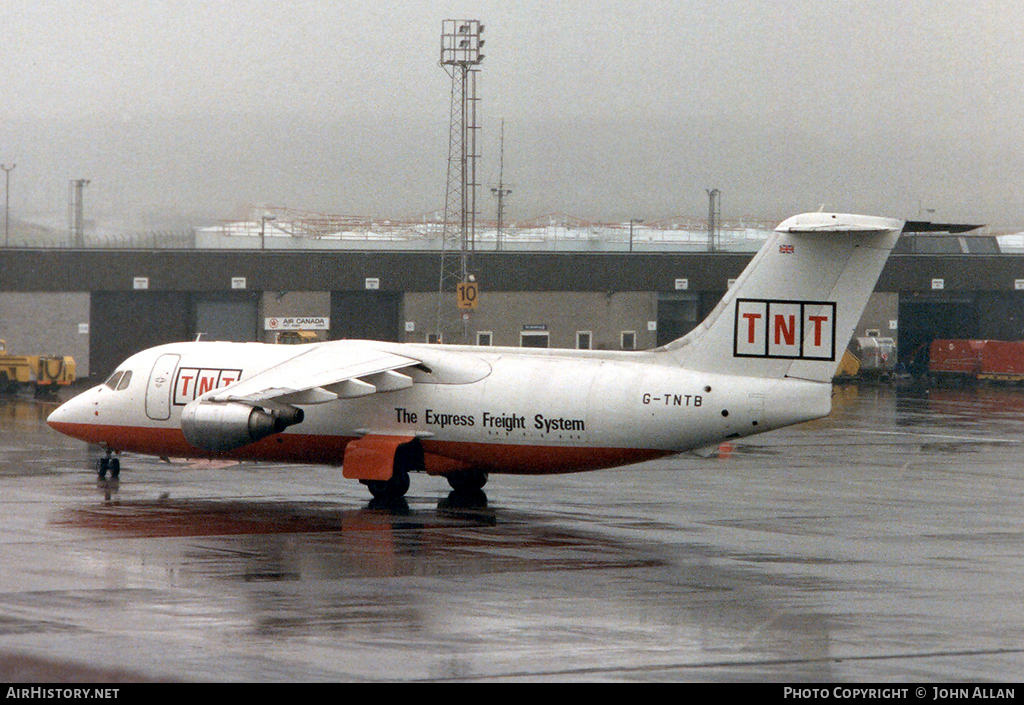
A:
[994,315]
[925,317]
[677,315]
[122,323]
[233,319]
[366,315]
[680,313]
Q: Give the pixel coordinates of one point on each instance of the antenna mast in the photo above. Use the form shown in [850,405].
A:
[501,191]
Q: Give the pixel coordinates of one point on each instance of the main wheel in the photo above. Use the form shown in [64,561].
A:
[394,488]
[408,457]
[467,480]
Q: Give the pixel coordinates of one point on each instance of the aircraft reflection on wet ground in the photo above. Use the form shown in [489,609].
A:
[839,550]
[380,540]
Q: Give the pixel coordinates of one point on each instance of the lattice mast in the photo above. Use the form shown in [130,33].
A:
[460,57]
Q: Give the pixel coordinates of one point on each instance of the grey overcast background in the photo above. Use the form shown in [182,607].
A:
[187,111]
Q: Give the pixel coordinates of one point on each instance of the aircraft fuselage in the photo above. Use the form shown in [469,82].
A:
[499,410]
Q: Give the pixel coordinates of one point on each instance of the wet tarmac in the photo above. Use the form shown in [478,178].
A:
[885,543]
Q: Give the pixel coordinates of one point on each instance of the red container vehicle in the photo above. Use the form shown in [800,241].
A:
[956,357]
[1002,360]
[999,360]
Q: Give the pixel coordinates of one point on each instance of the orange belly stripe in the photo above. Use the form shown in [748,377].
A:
[440,456]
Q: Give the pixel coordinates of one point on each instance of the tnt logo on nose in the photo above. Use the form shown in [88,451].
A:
[193,382]
[796,330]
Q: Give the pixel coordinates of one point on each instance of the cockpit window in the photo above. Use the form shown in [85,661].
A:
[125,381]
[119,380]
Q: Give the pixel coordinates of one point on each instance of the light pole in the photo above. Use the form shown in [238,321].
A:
[7,203]
[263,228]
[714,216]
[632,221]
[76,212]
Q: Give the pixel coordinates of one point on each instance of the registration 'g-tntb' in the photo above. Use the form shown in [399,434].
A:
[763,359]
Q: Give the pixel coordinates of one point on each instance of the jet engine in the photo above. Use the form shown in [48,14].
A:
[224,426]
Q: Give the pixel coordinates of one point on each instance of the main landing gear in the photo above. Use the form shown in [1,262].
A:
[395,488]
[408,457]
[108,463]
[467,480]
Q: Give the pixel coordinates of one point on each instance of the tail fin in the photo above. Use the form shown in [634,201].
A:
[793,309]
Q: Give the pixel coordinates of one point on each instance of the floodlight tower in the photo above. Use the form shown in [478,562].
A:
[714,217]
[461,54]
[7,203]
[76,212]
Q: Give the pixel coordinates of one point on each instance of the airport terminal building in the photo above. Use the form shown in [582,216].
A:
[553,286]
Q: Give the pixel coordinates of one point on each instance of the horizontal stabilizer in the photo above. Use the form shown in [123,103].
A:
[923,226]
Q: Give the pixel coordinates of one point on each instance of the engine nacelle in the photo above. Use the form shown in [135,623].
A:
[224,426]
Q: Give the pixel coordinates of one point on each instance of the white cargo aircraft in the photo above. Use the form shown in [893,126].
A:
[762,360]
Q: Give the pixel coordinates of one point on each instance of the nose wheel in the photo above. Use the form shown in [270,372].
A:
[108,464]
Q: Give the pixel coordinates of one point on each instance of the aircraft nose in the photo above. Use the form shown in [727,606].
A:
[60,415]
[70,412]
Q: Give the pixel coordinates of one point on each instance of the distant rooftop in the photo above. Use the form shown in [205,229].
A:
[291,229]
[548,234]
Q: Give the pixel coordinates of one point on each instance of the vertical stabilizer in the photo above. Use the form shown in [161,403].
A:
[793,309]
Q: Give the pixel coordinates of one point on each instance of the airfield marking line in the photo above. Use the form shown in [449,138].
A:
[738,663]
[976,439]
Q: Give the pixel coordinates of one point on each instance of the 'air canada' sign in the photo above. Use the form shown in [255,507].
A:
[297,323]
[795,330]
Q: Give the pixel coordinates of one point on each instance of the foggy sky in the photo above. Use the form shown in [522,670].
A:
[188,110]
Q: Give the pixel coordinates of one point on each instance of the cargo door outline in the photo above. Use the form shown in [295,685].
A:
[161,384]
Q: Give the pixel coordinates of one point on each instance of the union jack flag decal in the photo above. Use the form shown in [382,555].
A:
[786,249]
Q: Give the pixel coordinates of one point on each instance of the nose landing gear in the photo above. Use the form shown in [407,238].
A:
[110,464]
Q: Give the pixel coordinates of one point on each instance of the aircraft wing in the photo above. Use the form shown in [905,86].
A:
[341,369]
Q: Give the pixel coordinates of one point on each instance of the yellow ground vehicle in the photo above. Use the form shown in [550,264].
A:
[296,337]
[43,372]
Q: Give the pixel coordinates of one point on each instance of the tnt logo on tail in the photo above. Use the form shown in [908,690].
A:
[795,330]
